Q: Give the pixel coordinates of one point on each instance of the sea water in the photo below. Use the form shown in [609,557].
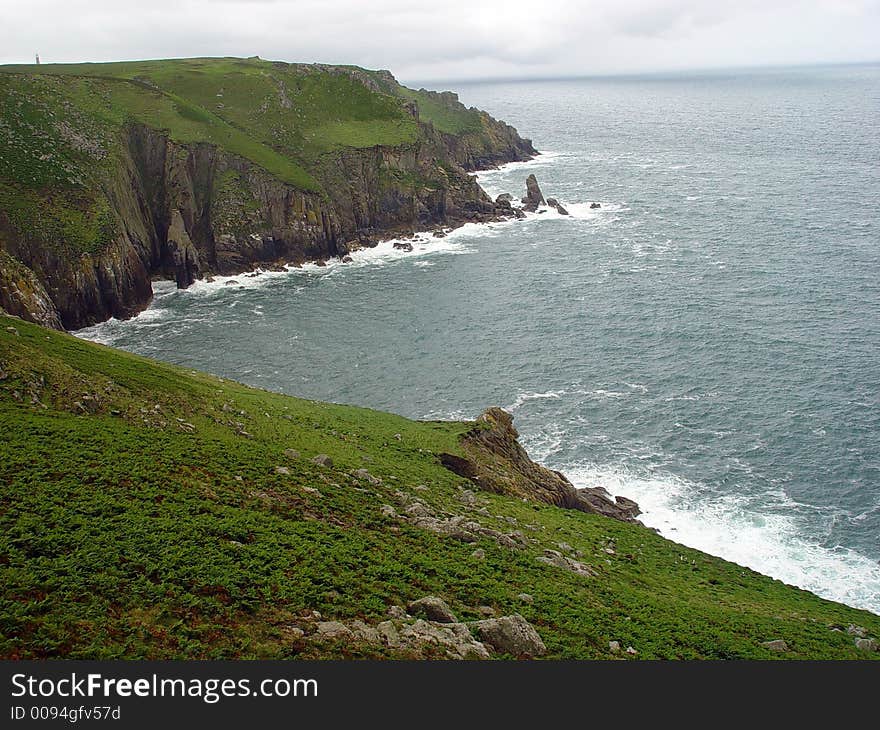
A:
[707,342]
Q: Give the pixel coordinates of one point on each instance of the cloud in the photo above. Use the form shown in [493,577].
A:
[455,39]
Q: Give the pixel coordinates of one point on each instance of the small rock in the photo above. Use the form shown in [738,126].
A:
[614,647]
[347,259]
[403,246]
[867,644]
[526,597]
[631,651]
[323,460]
[398,437]
[239,478]
[595,205]
[283,470]
[291,453]
[479,554]
[366,476]
[432,608]
[12,330]
[386,510]
[421,488]
[775,645]
[859,631]
[295,633]
[486,610]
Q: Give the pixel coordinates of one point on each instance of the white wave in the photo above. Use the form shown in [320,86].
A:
[523,398]
[770,541]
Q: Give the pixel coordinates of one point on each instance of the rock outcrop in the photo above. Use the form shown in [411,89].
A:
[496,461]
[554,203]
[408,630]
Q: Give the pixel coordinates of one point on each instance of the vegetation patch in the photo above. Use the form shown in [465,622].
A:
[155,512]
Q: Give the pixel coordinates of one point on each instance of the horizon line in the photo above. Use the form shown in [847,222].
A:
[696,70]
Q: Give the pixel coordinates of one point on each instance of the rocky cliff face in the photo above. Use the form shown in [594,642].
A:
[188,210]
[497,462]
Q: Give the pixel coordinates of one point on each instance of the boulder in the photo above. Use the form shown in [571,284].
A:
[333,630]
[504,198]
[614,647]
[526,597]
[775,645]
[403,246]
[323,460]
[282,471]
[347,259]
[595,205]
[432,608]
[510,635]
[867,644]
[291,453]
[364,475]
[534,196]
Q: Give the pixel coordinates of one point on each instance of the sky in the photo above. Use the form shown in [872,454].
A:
[454,39]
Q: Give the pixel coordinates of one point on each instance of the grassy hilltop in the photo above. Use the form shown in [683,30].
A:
[152,511]
[281,116]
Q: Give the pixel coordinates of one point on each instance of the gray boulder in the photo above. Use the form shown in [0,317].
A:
[867,645]
[333,630]
[323,460]
[510,635]
[775,645]
[432,608]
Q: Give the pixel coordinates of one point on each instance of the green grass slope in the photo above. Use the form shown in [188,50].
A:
[143,515]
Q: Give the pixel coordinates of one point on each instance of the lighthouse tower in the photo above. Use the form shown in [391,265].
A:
[38,59]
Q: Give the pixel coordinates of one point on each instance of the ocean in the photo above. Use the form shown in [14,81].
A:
[707,342]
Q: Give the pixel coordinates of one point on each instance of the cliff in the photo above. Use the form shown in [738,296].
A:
[151,511]
[114,174]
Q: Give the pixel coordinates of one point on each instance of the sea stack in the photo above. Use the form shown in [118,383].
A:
[534,196]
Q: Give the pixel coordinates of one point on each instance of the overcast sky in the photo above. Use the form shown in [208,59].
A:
[452,39]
